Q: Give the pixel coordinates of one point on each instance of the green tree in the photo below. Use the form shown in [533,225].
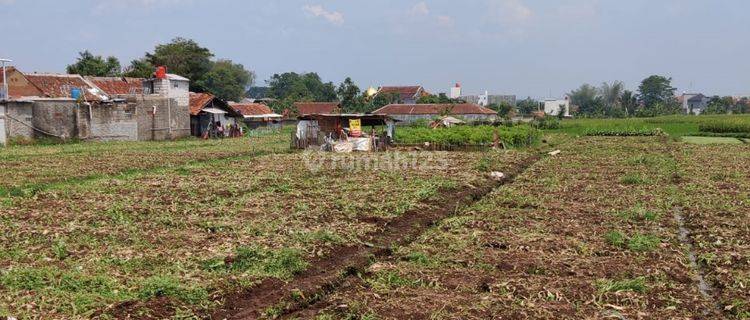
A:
[227,80]
[527,106]
[349,95]
[91,65]
[588,100]
[440,98]
[612,95]
[629,102]
[183,57]
[140,68]
[658,91]
[504,109]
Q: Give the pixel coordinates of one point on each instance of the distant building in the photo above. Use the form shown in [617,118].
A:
[207,112]
[92,108]
[694,103]
[487,99]
[554,106]
[404,94]
[307,108]
[455,91]
[257,114]
[408,113]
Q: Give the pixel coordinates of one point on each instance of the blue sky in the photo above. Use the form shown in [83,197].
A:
[532,48]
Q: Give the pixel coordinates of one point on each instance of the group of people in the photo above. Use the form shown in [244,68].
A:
[217,130]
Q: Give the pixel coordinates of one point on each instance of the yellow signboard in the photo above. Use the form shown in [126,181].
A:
[355,127]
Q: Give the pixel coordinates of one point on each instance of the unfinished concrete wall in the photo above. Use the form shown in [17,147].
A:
[112,121]
[56,117]
[18,117]
[169,121]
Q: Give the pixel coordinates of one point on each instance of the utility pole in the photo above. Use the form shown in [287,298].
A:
[5,94]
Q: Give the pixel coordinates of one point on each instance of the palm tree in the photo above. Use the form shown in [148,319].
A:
[612,94]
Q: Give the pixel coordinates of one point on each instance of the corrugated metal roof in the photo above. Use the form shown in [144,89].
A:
[118,85]
[60,86]
[434,109]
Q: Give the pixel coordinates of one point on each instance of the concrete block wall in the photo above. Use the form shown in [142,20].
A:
[18,120]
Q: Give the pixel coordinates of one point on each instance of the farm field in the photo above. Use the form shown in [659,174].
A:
[175,241]
[27,169]
[608,229]
[675,126]
[611,227]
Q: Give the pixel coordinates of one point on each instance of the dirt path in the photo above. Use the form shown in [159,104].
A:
[274,298]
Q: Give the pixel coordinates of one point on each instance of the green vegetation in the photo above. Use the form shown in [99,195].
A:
[518,136]
[675,126]
[635,285]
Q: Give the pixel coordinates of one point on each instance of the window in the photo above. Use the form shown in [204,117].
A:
[176,85]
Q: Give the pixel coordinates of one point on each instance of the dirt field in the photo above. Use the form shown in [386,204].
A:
[629,228]
[592,233]
[178,240]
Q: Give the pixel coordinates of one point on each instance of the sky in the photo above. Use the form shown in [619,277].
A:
[537,48]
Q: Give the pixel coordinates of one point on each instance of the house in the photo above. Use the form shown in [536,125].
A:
[90,108]
[306,108]
[207,113]
[344,132]
[488,99]
[553,107]
[694,103]
[408,113]
[257,115]
[403,94]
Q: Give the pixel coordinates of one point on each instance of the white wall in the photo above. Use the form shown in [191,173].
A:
[552,107]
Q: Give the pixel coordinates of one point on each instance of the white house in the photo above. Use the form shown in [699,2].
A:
[553,106]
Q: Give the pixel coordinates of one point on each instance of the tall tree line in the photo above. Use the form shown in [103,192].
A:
[221,77]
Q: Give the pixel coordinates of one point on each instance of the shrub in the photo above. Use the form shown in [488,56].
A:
[547,123]
[519,136]
[624,132]
[725,127]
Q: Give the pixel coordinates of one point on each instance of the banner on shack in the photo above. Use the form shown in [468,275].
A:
[355,127]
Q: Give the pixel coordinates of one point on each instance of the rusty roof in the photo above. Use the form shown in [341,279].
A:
[60,86]
[198,101]
[404,92]
[118,85]
[434,109]
[20,90]
[304,108]
[251,109]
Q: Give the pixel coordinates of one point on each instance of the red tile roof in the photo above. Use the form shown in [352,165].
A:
[198,101]
[118,85]
[60,86]
[19,90]
[404,92]
[316,107]
[436,109]
[251,109]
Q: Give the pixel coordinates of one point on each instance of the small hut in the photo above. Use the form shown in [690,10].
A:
[361,132]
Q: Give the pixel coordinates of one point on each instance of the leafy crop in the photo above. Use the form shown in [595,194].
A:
[519,136]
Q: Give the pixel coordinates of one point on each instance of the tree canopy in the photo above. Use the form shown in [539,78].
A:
[183,57]
[90,65]
[527,106]
[227,80]
[657,96]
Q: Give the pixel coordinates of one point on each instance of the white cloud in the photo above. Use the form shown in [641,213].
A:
[420,9]
[509,12]
[333,17]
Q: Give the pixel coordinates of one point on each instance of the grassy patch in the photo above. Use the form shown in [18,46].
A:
[283,263]
[634,179]
[611,286]
[518,136]
[711,140]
